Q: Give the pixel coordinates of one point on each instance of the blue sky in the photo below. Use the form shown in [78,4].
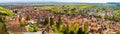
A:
[88,1]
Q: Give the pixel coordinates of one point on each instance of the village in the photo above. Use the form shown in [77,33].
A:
[32,19]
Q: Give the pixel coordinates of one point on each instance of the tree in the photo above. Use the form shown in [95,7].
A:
[15,11]
[85,28]
[31,29]
[4,12]
[75,28]
[46,21]
[80,31]
[117,12]
[21,23]
[51,21]
[59,22]
[68,29]
[118,32]
[28,17]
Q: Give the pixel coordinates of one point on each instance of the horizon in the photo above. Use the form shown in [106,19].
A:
[78,1]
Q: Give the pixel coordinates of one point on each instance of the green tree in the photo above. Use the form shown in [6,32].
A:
[21,23]
[59,22]
[51,21]
[67,29]
[46,21]
[15,11]
[117,12]
[80,31]
[4,12]
[31,29]
[28,17]
[75,28]
[85,28]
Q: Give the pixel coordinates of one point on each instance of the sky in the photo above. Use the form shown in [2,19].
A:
[87,1]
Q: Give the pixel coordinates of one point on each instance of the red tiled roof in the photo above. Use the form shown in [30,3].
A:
[14,22]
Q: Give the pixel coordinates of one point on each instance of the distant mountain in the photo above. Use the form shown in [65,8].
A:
[41,3]
[55,3]
[113,2]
